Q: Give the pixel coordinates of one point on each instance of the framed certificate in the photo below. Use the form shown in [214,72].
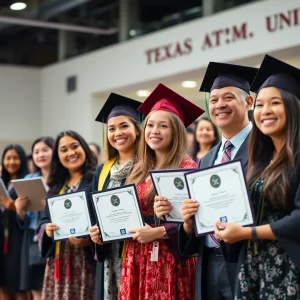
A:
[32,188]
[171,185]
[117,211]
[71,214]
[222,194]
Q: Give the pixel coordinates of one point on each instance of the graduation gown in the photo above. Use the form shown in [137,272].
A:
[1,248]
[101,252]
[192,245]
[286,229]
[10,262]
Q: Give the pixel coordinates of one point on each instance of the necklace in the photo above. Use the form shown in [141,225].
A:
[72,188]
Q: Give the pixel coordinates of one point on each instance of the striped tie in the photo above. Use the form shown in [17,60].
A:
[225,158]
[227,152]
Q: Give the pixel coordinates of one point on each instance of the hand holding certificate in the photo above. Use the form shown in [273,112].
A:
[222,195]
[171,185]
[69,212]
[117,212]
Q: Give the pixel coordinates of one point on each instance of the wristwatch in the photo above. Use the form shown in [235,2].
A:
[165,235]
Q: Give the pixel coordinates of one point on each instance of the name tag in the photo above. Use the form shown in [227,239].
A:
[154,252]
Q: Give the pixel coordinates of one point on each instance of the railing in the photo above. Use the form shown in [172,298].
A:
[168,21]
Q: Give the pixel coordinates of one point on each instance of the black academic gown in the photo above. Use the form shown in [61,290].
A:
[192,245]
[1,249]
[48,244]
[10,264]
[103,250]
[286,229]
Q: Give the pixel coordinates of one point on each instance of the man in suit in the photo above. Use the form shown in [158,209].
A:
[228,105]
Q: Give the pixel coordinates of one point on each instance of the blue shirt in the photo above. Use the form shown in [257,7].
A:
[236,141]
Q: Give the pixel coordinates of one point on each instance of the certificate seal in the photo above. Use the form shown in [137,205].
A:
[179,184]
[215,181]
[68,204]
[114,200]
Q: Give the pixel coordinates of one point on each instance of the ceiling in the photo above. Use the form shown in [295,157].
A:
[38,46]
[26,39]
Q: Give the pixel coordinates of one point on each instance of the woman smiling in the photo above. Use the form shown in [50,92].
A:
[269,263]
[70,268]
[123,135]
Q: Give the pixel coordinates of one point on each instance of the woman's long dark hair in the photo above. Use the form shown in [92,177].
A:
[23,171]
[48,140]
[261,148]
[59,174]
[196,147]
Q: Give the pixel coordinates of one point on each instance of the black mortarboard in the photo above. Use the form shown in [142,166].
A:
[220,75]
[117,105]
[276,73]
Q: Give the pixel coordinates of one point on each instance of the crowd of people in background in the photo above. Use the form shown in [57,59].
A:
[258,262]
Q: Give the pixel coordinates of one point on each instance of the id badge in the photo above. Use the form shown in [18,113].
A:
[154,252]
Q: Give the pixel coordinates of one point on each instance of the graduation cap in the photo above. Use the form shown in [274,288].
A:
[117,105]
[276,73]
[163,98]
[220,75]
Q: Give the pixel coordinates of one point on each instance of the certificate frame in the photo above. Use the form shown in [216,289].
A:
[64,197]
[96,197]
[155,178]
[235,166]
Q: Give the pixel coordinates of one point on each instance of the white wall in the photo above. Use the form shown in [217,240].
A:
[127,64]
[20,99]
[35,102]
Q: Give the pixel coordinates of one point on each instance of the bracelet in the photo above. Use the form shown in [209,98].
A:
[254,234]
[165,235]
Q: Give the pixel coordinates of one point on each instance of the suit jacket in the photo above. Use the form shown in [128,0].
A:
[190,245]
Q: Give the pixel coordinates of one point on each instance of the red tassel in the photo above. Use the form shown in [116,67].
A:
[5,246]
[57,269]
[69,266]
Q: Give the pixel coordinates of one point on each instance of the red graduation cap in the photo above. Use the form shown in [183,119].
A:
[163,98]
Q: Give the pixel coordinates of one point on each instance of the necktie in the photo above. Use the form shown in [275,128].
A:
[225,158]
[227,152]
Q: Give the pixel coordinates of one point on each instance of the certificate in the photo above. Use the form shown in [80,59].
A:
[171,185]
[71,214]
[32,188]
[117,211]
[222,195]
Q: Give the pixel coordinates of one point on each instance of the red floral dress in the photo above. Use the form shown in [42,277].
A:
[166,279]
